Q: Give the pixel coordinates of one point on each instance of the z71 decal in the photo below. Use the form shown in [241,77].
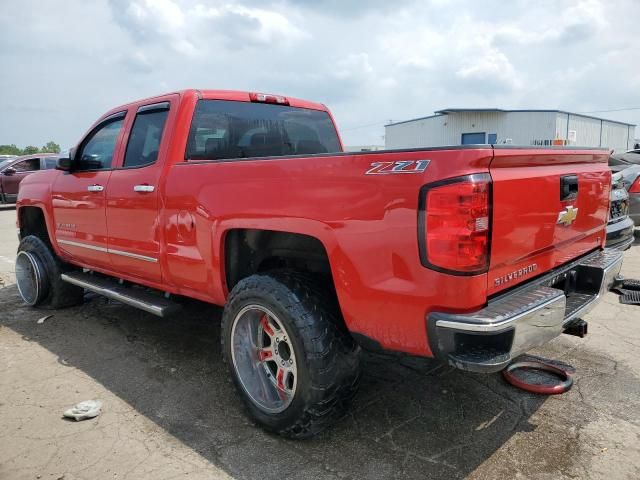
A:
[402,166]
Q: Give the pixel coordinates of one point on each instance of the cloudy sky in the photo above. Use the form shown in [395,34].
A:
[65,62]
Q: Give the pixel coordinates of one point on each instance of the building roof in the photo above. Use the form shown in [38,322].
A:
[447,111]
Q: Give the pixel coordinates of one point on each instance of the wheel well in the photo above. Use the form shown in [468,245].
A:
[32,222]
[249,251]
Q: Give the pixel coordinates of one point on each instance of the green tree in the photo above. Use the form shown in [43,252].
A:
[30,150]
[50,147]
[10,150]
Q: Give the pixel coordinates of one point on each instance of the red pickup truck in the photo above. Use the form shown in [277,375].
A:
[470,254]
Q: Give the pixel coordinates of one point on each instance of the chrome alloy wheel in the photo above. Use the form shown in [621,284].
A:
[263,358]
[30,278]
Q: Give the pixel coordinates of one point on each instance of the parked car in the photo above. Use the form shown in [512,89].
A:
[631,180]
[5,158]
[13,171]
[247,200]
[631,157]
[620,226]
[4,161]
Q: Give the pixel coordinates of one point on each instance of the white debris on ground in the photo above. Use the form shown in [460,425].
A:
[42,320]
[84,410]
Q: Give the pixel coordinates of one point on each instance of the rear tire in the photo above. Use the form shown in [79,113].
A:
[290,356]
[38,271]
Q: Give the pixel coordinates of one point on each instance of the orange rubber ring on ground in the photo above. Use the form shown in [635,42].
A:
[562,387]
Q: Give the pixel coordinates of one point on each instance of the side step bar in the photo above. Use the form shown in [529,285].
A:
[111,288]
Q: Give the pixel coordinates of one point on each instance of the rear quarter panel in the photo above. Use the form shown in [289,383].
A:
[367,224]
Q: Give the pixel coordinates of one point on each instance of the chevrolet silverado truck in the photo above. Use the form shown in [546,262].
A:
[470,254]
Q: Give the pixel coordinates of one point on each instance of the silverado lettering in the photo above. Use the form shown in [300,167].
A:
[248,200]
[529,269]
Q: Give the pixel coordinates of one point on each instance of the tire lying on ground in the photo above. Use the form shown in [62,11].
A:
[38,271]
[290,356]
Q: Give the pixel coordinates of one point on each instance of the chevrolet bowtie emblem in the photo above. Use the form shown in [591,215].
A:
[567,216]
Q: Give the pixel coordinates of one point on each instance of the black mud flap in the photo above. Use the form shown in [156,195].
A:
[631,297]
[629,291]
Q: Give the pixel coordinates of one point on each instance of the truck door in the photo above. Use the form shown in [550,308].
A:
[78,196]
[133,197]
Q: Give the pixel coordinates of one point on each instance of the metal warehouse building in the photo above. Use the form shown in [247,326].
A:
[461,126]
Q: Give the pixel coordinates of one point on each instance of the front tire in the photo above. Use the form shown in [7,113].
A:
[38,271]
[292,360]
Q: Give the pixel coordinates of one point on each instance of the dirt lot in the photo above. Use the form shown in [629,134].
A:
[170,411]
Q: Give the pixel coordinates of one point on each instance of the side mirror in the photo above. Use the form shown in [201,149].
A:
[9,171]
[64,164]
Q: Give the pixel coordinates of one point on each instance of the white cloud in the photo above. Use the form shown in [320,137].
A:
[368,61]
[573,23]
[198,29]
[162,14]
[266,25]
[493,67]
[353,64]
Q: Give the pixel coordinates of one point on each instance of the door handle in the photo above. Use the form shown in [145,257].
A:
[143,188]
[95,188]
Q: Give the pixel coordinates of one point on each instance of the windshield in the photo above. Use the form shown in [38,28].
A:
[227,129]
[4,163]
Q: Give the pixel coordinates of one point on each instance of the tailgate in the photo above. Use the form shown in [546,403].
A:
[549,207]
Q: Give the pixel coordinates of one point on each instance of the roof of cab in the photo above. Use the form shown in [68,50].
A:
[232,95]
[243,96]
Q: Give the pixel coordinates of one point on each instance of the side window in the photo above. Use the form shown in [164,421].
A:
[27,165]
[145,137]
[97,151]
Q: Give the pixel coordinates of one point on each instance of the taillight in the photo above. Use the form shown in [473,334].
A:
[635,186]
[268,98]
[454,224]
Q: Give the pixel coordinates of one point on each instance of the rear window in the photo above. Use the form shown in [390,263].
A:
[226,129]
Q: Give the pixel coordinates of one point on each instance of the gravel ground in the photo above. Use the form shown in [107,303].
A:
[170,411]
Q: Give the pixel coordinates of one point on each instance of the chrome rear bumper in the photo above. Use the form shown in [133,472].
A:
[527,317]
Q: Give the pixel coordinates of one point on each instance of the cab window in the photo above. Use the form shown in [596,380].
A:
[27,165]
[145,137]
[97,151]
